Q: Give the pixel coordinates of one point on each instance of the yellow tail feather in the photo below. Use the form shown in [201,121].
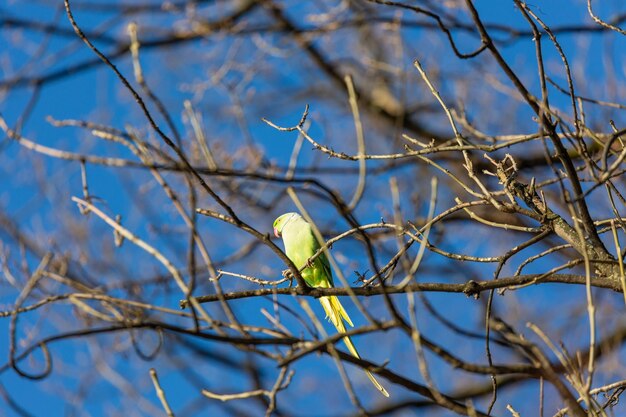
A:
[335,313]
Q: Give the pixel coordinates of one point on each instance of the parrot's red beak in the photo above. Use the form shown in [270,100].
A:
[276,232]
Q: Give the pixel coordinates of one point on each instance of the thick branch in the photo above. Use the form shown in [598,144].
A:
[469,288]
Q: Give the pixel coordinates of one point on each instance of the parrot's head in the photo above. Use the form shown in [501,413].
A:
[281,221]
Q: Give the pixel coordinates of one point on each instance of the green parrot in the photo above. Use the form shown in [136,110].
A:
[300,245]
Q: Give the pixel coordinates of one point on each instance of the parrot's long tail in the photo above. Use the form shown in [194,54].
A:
[336,314]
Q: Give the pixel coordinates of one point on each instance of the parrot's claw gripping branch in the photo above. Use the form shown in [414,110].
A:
[288,275]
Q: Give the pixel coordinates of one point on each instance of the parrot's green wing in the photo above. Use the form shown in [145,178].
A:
[323,263]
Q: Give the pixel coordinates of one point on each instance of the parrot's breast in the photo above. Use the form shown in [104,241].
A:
[300,245]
